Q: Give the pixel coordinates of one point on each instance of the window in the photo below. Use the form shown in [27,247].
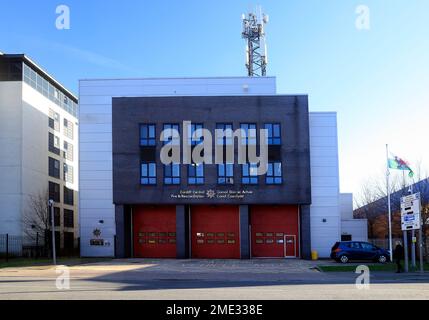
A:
[367,246]
[35,80]
[249,174]
[54,120]
[54,191]
[148,174]
[57,217]
[68,151]
[172,173]
[68,196]
[68,129]
[147,135]
[54,168]
[225,138]
[54,144]
[196,173]
[171,133]
[274,133]
[225,173]
[274,173]
[354,245]
[249,137]
[68,218]
[68,173]
[193,127]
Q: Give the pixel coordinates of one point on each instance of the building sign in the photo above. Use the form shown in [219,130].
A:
[97,239]
[211,194]
[410,212]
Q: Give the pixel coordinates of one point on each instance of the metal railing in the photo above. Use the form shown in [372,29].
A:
[10,246]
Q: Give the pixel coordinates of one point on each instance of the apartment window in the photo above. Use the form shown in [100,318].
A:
[225,173]
[54,191]
[68,218]
[171,133]
[274,133]
[274,173]
[147,135]
[68,129]
[57,217]
[68,196]
[40,84]
[54,144]
[68,173]
[68,151]
[249,131]
[196,173]
[192,128]
[249,173]
[172,173]
[226,138]
[54,168]
[54,120]
[148,174]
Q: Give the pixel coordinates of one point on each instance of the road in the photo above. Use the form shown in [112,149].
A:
[205,279]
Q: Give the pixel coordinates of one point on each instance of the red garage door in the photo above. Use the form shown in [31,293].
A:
[215,232]
[154,231]
[274,231]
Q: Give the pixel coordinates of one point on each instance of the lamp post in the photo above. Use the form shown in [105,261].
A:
[51,210]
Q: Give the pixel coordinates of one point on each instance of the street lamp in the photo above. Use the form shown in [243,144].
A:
[51,210]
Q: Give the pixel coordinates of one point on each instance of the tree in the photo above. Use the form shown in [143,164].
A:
[372,199]
[37,220]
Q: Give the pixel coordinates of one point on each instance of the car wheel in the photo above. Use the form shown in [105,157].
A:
[382,259]
[344,259]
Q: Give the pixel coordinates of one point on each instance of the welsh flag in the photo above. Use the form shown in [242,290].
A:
[400,164]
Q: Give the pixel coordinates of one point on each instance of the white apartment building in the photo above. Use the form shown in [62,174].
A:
[38,151]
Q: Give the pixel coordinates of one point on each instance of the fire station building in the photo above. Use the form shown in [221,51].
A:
[133,205]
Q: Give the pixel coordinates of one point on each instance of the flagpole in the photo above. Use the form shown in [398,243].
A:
[388,203]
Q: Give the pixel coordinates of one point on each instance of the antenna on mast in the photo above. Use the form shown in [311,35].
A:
[256,47]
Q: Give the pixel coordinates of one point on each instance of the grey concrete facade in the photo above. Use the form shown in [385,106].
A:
[290,111]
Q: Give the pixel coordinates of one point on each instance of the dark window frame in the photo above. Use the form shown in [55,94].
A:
[246,177]
[148,179]
[224,175]
[195,177]
[271,178]
[246,126]
[274,137]
[169,177]
[149,140]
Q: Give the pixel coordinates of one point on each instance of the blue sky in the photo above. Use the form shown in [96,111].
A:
[377,80]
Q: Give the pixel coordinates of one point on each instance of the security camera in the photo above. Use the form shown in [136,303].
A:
[51,202]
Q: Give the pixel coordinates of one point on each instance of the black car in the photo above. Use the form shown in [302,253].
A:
[345,251]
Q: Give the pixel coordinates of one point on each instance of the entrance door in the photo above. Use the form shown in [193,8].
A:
[290,246]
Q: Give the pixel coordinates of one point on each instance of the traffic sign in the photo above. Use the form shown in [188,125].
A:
[410,212]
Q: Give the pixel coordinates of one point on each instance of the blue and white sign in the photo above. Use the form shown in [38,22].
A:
[410,212]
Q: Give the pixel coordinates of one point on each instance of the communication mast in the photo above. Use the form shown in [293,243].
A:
[256,48]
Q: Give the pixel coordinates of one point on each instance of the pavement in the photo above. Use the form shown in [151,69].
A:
[259,279]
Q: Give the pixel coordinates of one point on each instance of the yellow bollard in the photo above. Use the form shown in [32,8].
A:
[314,255]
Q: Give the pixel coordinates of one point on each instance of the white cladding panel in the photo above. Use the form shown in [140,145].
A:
[357,228]
[95,112]
[325,214]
